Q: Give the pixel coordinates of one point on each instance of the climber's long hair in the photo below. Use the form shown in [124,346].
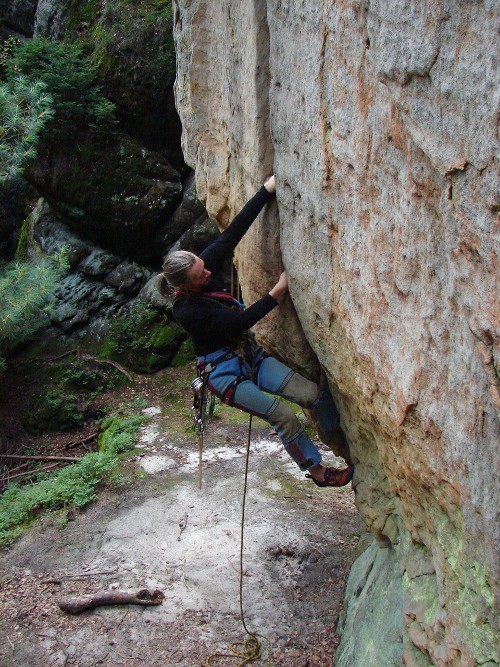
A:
[174,274]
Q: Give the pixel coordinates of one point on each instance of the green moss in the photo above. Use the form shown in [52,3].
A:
[119,433]
[21,254]
[76,485]
[185,355]
[162,336]
[144,27]
[141,343]
[81,14]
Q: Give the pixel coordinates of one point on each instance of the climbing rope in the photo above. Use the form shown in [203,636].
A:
[248,650]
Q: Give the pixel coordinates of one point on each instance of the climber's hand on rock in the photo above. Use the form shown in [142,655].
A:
[270,184]
[281,287]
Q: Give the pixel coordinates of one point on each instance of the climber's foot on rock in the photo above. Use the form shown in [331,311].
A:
[323,476]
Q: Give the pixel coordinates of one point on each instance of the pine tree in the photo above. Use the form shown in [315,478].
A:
[25,108]
[24,291]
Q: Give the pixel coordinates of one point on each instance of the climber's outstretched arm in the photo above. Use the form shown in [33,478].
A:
[223,247]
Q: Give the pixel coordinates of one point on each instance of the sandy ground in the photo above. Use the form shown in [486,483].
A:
[163,532]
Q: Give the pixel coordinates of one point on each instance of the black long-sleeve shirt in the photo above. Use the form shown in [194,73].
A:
[211,325]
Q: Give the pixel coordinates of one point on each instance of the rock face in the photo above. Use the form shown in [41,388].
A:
[379,120]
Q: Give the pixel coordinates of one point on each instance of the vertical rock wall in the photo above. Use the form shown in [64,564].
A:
[379,119]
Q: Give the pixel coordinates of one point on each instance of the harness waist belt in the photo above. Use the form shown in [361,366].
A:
[208,368]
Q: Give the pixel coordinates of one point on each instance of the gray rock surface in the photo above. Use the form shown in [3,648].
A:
[99,263]
[49,18]
[379,119]
[372,628]
[189,212]
[48,235]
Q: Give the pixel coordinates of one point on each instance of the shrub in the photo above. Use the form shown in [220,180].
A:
[70,78]
[76,484]
[25,109]
[118,433]
[56,410]
[76,376]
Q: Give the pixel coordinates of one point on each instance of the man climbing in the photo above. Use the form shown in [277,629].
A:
[235,368]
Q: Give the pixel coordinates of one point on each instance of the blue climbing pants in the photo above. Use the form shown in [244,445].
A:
[232,382]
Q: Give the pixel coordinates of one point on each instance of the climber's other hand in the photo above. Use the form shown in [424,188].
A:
[270,184]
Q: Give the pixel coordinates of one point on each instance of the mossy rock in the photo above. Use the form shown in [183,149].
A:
[141,343]
[117,193]
[185,355]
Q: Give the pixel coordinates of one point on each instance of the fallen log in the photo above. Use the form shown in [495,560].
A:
[80,441]
[38,458]
[90,357]
[119,368]
[32,473]
[75,605]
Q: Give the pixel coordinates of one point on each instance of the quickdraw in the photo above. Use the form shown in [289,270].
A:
[200,413]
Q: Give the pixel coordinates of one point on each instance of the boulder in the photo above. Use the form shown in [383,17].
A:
[117,194]
[99,263]
[127,277]
[48,235]
[379,120]
[189,212]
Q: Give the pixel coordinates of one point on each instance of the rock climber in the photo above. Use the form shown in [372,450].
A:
[235,368]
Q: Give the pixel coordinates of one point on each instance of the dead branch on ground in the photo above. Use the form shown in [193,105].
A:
[32,473]
[75,605]
[90,357]
[39,458]
[81,441]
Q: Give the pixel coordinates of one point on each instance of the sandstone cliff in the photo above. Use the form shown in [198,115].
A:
[379,119]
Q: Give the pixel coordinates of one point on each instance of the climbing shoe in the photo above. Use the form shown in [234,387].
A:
[335,477]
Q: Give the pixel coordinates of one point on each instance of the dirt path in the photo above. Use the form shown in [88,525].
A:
[299,544]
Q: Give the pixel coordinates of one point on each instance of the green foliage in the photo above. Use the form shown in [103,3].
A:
[185,355]
[25,109]
[130,333]
[76,376]
[119,433]
[76,484]
[70,78]
[55,410]
[7,50]
[24,290]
